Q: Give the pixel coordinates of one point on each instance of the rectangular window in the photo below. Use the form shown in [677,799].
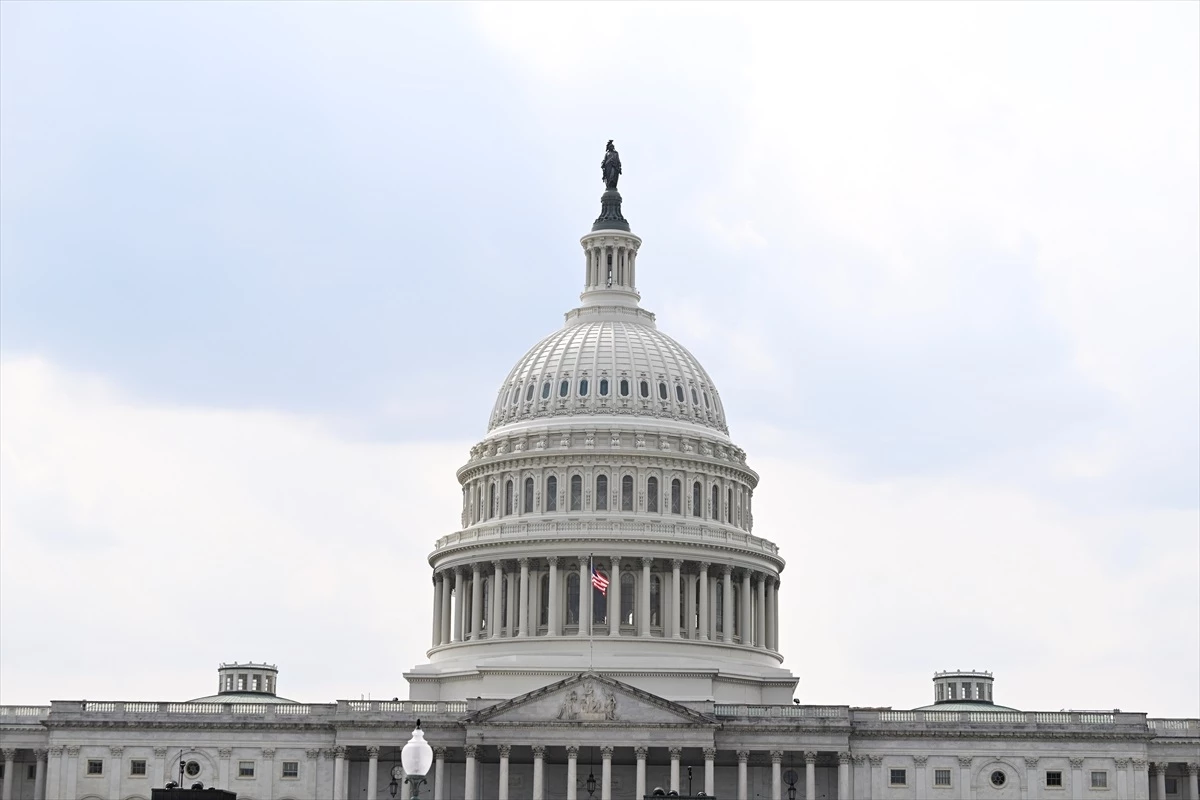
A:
[941,777]
[1054,777]
[291,769]
[137,766]
[1172,786]
[30,772]
[899,777]
[1099,779]
[95,766]
[245,769]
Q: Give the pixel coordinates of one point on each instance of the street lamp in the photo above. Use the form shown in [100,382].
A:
[417,758]
[790,777]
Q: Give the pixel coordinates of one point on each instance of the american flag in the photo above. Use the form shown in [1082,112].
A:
[599,581]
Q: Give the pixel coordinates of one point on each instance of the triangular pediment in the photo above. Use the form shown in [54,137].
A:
[592,699]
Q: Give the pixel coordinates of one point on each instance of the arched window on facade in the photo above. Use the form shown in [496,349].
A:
[552,493]
[652,494]
[508,497]
[491,500]
[714,509]
[627,493]
[599,606]
[655,600]
[601,492]
[576,493]
[697,505]
[573,598]
[528,498]
[676,499]
[544,605]
[627,598]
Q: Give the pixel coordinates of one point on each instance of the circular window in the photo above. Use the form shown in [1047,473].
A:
[192,769]
[998,778]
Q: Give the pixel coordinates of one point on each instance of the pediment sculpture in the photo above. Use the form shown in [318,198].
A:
[589,705]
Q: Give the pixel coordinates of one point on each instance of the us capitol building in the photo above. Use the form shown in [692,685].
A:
[604,624]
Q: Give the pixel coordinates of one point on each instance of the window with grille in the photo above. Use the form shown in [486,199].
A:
[137,766]
[898,777]
[652,495]
[1099,779]
[245,769]
[95,766]
[552,493]
[291,769]
[1054,777]
[941,777]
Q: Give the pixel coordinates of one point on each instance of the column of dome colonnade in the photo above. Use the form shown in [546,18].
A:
[607,450]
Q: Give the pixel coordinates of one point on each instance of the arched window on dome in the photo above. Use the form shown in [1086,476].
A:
[656,598]
[491,500]
[528,498]
[564,388]
[602,493]
[729,506]
[652,494]
[676,496]
[544,605]
[573,598]
[546,390]
[624,387]
[627,493]
[509,508]
[583,387]
[604,387]
[662,390]
[576,493]
[627,598]
[714,508]
[697,505]
[679,393]
[552,493]
[644,388]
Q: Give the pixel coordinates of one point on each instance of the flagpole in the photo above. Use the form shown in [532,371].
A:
[591,622]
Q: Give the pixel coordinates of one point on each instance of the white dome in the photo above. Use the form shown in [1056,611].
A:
[609,361]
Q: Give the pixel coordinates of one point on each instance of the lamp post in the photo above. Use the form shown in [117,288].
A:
[417,758]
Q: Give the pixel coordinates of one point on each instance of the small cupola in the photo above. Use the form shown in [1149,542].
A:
[962,686]
[247,678]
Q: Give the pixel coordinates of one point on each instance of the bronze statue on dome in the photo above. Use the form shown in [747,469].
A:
[610,167]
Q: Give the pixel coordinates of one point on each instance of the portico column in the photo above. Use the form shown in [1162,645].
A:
[372,771]
[494,613]
[810,775]
[1160,776]
[552,611]
[460,594]
[437,611]
[39,774]
[743,756]
[769,615]
[710,757]
[727,606]
[476,601]
[776,776]
[704,608]
[676,563]
[843,776]
[1032,782]
[676,754]
[747,626]
[523,599]
[1141,781]
[585,595]
[447,614]
[1193,770]
[10,757]
[539,752]
[502,788]
[469,778]
[572,772]
[640,775]
[439,773]
[614,597]
[644,611]
[760,614]
[339,769]
[54,782]
[606,772]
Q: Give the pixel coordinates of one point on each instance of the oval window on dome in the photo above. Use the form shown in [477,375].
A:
[583,387]
[604,387]
[645,389]
[564,388]
[529,393]
[679,392]
[624,388]
[546,390]
[662,390]
[695,397]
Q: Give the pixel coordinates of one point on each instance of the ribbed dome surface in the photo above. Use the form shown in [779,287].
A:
[609,366]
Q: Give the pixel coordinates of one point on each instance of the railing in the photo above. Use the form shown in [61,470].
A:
[738,710]
[239,709]
[522,530]
[25,714]
[407,706]
[998,718]
[1174,727]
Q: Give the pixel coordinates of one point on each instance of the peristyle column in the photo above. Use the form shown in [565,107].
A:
[585,594]
[494,613]
[437,611]
[769,607]
[614,598]
[523,599]
[676,564]
[460,594]
[476,601]
[552,611]
[644,626]
[727,606]
[747,626]
[760,613]
[704,637]
[447,614]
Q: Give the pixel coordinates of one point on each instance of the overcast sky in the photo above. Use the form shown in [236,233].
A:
[264,267]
